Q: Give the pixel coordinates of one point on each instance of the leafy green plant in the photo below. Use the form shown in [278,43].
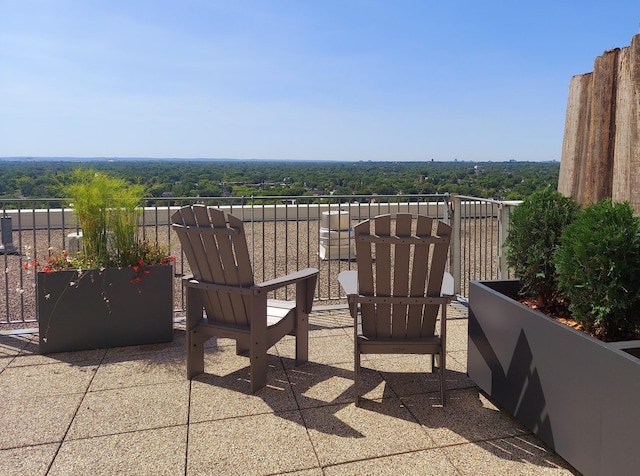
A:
[107,212]
[598,266]
[535,227]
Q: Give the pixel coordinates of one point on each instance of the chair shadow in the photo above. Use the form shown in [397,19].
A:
[415,392]
[517,446]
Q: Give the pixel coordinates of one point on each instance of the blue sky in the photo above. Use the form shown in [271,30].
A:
[297,79]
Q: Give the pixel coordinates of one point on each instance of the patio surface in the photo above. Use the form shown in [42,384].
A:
[131,410]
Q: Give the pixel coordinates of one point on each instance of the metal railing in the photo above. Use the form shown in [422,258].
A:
[284,234]
[480,227]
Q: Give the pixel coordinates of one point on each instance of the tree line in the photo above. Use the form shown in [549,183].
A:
[34,179]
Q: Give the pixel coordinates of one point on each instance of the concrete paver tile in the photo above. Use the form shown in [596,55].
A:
[467,417]
[178,344]
[39,380]
[457,336]
[254,445]
[346,433]
[424,463]
[522,455]
[216,397]
[158,452]
[333,349]
[317,384]
[307,472]
[127,409]
[140,369]
[324,324]
[33,421]
[12,345]
[33,357]
[132,410]
[411,374]
[5,361]
[28,460]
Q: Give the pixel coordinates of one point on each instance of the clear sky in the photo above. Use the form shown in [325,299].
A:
[298,79]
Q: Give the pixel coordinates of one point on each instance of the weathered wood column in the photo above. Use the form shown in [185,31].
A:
[576,137]
[599,166]
[626,160]
[601,147]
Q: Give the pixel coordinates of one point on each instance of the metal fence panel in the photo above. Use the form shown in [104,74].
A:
[284,233]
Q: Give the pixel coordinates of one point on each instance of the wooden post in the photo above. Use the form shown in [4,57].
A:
[601,147]
[626,160]
[576,137]
[599,166]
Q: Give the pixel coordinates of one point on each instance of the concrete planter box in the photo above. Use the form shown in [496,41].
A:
[581,396]
[104,309]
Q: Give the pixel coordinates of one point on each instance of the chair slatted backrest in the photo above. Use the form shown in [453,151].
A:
[215,246]
[406,262]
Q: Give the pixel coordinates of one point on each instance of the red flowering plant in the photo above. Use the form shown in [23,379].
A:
[108,212]
[140,257]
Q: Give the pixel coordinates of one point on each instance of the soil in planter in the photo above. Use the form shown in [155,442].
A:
[561,313]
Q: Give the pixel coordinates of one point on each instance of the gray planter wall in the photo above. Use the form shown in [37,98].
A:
[579,395]
[104,309]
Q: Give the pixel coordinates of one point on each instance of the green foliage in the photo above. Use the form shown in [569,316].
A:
[535,228]
[206,178]
[108,214]
[598,263]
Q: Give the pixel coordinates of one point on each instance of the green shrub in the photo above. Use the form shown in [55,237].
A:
[598,264]
[535,228]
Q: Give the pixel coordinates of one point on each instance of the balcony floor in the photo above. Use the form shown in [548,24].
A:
[132,411]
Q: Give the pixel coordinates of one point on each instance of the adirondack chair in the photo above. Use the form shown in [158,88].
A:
[398,288]
[234,306]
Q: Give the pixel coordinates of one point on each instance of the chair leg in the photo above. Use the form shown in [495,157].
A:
[195,353]
[195,339]
[442,369]
[302,337]
[356,378]
[258,369]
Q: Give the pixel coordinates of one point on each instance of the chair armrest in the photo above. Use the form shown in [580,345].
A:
[191,282]
[349,282]
[291,278]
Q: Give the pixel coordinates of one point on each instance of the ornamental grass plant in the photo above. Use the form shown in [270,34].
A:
[108,210]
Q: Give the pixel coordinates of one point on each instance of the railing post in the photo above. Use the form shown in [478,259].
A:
[504,211]
[456,245]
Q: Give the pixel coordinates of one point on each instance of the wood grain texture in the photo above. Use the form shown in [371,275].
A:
[601,145]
